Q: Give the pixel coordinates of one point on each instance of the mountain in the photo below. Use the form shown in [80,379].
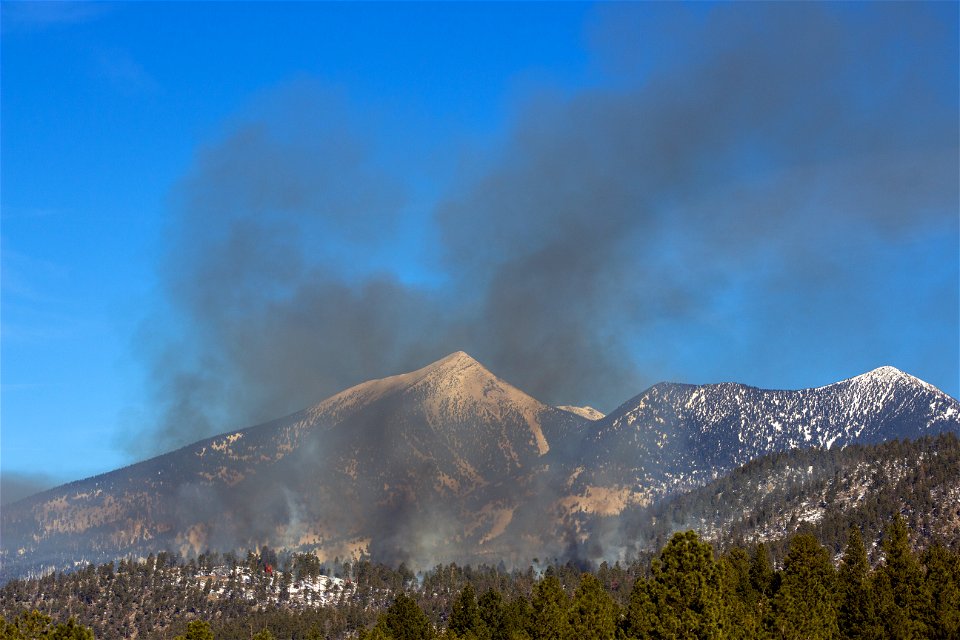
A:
[824,491]
[584,412]
[673,437]
[414,461]
[450,463]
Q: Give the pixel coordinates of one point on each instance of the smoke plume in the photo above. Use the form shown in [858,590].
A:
[14,485]
[735,180]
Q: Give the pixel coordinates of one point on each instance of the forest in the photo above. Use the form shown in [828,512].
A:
[687,590]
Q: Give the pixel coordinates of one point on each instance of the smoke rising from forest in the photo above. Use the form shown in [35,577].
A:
[745,168]
[742,182]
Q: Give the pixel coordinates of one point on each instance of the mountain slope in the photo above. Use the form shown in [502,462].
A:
[826,491]
[451,463]
[673,436]
[417,461]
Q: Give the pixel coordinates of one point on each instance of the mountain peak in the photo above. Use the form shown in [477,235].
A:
[887,375]
[456,360]
[886,372]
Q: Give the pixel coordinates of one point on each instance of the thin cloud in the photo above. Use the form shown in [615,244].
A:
[125,73]
[34,16]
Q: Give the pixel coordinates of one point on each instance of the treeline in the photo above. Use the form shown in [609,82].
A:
[860,486]
[687,591]
[690,593]
[158,596]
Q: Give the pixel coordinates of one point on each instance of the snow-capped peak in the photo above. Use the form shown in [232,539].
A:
[891,376]
[885,373]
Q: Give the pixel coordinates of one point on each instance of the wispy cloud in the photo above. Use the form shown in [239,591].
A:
[31,312]
[32,16]
[124,72]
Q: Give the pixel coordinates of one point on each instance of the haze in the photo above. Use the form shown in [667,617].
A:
[217,214]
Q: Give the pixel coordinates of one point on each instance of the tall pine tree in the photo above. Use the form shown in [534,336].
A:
[493,613]
[898,587]
[942,592]
[741,602]
[855,617]
[550,605]
[405,620]
[641,617]
[685,590]
[805,605]
[593,612]
[465,615]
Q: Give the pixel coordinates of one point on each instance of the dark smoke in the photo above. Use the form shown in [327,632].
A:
[15,486]
[760,170]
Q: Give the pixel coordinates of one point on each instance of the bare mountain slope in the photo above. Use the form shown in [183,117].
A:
[421,461]
[451,463]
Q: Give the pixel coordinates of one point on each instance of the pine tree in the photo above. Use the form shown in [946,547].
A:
[897,587]
[378,632]
[550,604]
[71,631]
[494,615]
[197,630]
[405,620]
[764,582]
[854,614]
[518,619]
[942,592]
[741,602]
[465,614]
[34,625]
[761,571]
[685,589]
[593,613]
[640,619]
[804,606]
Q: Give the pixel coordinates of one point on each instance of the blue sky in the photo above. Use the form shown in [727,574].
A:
[215,213]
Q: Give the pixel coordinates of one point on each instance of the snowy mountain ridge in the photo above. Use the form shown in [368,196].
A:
[676,436]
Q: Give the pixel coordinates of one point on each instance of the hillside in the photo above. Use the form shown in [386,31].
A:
[824,491]
[673,437]
[451,463]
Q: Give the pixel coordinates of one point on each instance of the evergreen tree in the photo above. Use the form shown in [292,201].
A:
[493,613]
[854,614]
[549,620]
[897,587]
[405,620]
[197,630]
[71,631]
[804,606]
[764,581]
[378,632]
[741,602]
[761,571]
[593,613]
[34,625]
[465,614]
[685,590]
[518,619]
[942,592]
[640,618]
